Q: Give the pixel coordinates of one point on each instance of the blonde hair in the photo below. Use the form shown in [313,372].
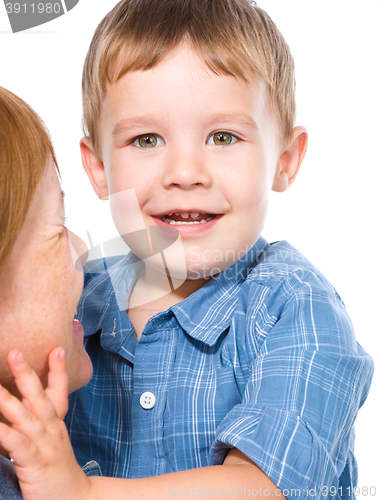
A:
[24,150]
[231,35]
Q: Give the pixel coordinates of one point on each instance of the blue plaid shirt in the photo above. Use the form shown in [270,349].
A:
[263,358]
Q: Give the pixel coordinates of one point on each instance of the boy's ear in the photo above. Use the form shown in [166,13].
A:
[94,168]
[290,159]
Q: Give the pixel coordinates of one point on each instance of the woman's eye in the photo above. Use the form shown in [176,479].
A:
[222,139]
[148,141]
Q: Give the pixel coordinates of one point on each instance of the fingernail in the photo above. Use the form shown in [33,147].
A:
[19,357]
[62,355]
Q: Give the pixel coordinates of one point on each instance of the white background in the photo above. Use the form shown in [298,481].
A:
[330,213]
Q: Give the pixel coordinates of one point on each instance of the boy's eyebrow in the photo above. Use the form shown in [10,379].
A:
[237,118]
[134,122]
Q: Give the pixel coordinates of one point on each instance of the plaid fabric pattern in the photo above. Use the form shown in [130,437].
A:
[262,358]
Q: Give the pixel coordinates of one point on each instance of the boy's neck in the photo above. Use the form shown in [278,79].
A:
[155,287]
[143,304]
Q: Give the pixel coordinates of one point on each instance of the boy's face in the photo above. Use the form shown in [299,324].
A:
[195,144]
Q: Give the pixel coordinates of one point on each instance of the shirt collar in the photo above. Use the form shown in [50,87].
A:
[107,286]
[204,315]
[207,313]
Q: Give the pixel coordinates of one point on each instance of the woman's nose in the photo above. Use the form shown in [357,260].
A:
[79,250]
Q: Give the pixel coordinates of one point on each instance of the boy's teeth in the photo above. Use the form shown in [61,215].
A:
[187,215]
[180,222]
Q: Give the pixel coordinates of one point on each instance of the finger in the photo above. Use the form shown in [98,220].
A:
[57,389]
[30,387]
[19,447]
[21,419]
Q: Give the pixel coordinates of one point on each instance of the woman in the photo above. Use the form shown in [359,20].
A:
[39,284]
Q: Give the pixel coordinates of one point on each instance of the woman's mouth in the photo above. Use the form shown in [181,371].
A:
[183,218]
[77,326]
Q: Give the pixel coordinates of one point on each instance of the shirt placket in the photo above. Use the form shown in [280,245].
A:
[154,357]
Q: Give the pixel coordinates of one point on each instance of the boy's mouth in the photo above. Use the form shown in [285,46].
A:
[183,218]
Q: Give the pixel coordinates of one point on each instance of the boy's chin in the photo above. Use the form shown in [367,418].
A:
[178,271]
[198,272]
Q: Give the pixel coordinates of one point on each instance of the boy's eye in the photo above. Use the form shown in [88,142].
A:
[148,141]
[222,139]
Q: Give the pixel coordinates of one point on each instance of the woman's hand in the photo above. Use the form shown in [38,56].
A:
[38,440]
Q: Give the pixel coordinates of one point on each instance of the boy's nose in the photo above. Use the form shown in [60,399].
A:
[186,171]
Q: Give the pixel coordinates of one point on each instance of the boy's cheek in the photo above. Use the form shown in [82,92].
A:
[126,213]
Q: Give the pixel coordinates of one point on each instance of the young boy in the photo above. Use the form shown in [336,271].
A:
[246,379]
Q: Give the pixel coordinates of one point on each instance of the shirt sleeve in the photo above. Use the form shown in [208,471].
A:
[92,469]
[307,379]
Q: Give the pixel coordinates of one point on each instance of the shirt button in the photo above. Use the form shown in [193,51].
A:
[147,400]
